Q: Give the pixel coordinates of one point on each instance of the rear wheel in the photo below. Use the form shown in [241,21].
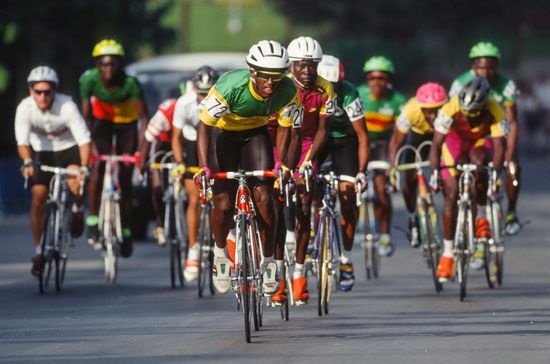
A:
[322,269]
[205,244]
[427,234]
[245,286]
[46,247]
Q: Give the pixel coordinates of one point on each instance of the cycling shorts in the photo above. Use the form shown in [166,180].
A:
[61,159]
[455,151]
[415,139]
[379,152]
[233,150]
[342,152]
[125,135]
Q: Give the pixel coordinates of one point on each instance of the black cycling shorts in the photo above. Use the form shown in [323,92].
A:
[125,135]
[61,159]
[246,150]
[415,139]
[343,153]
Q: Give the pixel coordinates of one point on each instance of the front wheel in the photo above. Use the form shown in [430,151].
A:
[110,259]
[427,234]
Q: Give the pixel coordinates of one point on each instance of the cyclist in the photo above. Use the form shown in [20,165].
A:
[415,125]
[112,102]
[50,130]
[485,58]
[382,107]
[348,148]
[233,135]
[317,97]
[184,146]
[469,128]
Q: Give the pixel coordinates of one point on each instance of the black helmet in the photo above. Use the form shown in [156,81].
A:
[474,95]
[204,78]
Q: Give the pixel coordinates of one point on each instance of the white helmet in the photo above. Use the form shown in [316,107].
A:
[331,69]
[305,48]
[268,55]
[43,73]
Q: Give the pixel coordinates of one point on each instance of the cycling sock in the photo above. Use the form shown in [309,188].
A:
[447,248]
[280,267]
[345,257]
[298,268]
[481,211]
[290,236]
[219,252]
[92,220]
[38,249]
[193,252]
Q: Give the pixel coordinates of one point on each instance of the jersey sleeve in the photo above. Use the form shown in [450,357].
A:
[180,113]
[329,105]
[22,126]
[510,93]
[455,88]
[86,85]
[500,126]
[444,120]
[403,123]
[213,107]
[291,114]
[157,125]
[353,106]
[136,91]
[76,123]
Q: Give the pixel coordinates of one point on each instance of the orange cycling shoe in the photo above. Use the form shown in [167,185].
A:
[280,295]
[231,247]
[445,268]
[482,228]
[299,287]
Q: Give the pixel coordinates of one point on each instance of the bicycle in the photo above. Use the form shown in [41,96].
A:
[110,224]
[370,241]
[494,246]
[205,241]
[175,227]
[247,275]
[429,225]
[56,239]
[327,248]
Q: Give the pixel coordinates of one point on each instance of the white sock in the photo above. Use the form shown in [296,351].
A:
[280,267]
[298,268]
[345,257]
[38,249]
[193,252]
[219,252]
[447,248]
[481,211]
[290,236]
[232,234]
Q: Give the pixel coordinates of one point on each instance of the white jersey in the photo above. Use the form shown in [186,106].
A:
[186,114]
[57,129]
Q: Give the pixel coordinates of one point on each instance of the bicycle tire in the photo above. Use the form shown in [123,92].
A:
[44,243]
[499,221]
[428,234]
[372,259]
[490,264]
[245,288]
[284,306]
[56,261]
[331,234]
[63,267]
[204,251]
[181,238]
[464,256]
[173,264]
[256,289]
[111,264]
[322,268]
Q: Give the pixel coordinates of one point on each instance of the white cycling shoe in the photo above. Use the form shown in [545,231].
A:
[221,274]
[270,283]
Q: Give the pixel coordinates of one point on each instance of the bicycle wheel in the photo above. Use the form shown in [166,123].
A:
[205,244]
[181,238]
[46,244]
[372,259]
[243,277]
[464,244]
[322,268]
[427,235]
[61,269]
[256,284]
[500,235]
[111,263]
[284,306]
[62,253]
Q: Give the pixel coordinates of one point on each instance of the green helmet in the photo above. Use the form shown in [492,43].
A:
[484,49]
[378,63]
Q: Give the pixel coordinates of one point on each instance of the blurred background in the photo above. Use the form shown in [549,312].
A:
[427,40]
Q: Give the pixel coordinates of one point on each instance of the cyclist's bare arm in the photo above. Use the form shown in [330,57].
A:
[177,144]
[396,141]
[294,148]
[435,151]
[364,148]
[142,115]
[498,153]
[84,151]
[511,112]
[203,143]
[319,139]
[86,112]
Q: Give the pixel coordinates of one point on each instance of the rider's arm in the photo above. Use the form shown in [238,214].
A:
[363,150]
[291,116]
[319,139]
[511,112]
[177,144]
[142,115]
[396,141]
[435,151]
[442,125]
[498,153]
[203,143]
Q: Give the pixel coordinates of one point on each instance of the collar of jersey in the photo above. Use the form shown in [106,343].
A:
[301,86]
[253,92]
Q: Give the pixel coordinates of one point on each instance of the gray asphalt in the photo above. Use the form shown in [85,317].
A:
[396,319]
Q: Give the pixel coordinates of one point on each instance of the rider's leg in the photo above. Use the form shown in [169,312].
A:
[348,220]
[38,206]
[303,221]
[512,222]
[158,205]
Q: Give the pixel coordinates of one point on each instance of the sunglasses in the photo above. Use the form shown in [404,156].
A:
[47,92]
[377,78]
[273,76]
[107,64]
[472,114]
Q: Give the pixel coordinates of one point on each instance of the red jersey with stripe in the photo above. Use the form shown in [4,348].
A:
[160,125]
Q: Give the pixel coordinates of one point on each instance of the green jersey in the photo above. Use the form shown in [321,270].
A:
[380,114]
[233,104]
[349,108]
[503,90]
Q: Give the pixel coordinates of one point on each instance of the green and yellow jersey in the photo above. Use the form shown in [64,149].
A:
[503,90]
[349,108]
